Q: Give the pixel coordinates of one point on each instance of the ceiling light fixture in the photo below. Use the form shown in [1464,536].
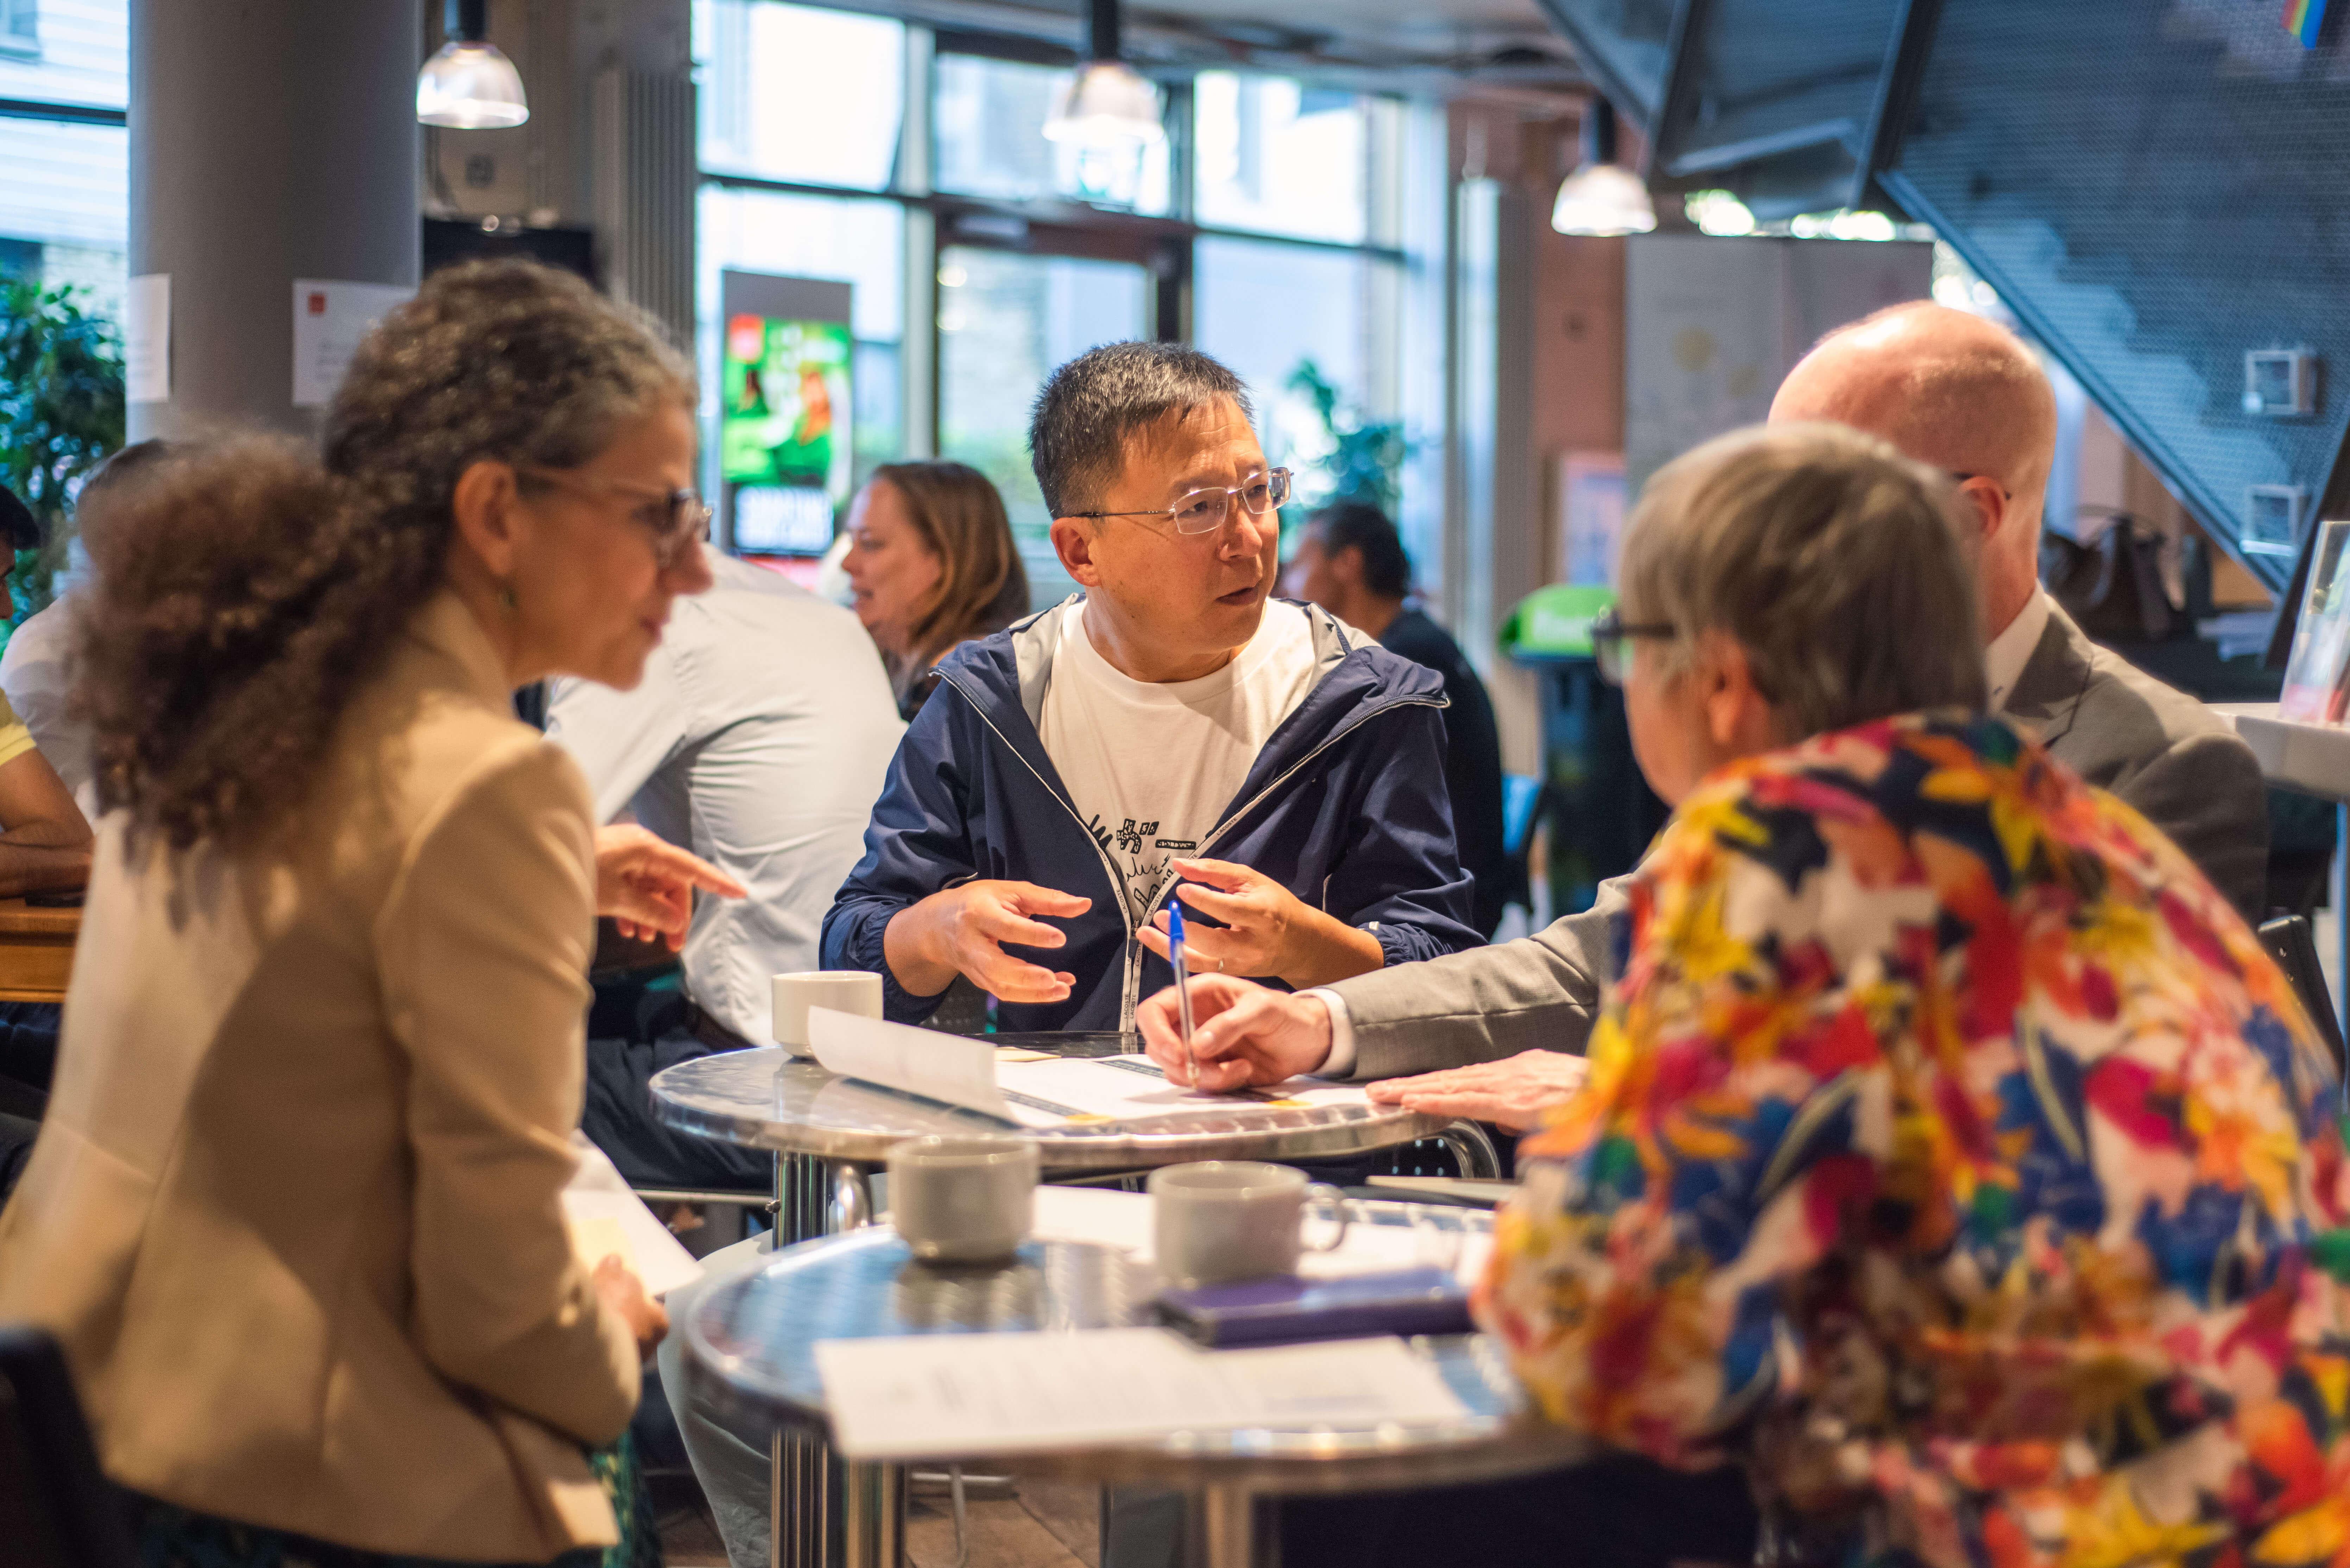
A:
[468,84]
[1107,105]
[1600,198]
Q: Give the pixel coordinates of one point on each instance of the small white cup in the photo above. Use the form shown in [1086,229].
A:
[1222,1220]
[848,989]
[963,1199]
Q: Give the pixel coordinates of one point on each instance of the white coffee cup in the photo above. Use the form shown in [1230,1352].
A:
[1223,1219]
[963,1200]
[848,990]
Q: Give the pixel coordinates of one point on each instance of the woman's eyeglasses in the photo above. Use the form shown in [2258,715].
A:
[1204,511]
[1610,633]
[675,518]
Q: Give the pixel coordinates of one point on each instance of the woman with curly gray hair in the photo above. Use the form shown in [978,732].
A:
[294,1216]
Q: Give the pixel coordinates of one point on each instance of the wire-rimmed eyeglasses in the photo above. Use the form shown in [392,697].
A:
[1203,510]
[1609,634]
[674,518]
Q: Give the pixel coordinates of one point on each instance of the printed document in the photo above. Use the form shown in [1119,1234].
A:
[1050,1092]
[956,1395]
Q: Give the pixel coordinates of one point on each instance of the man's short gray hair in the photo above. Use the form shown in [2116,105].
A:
[1836,564]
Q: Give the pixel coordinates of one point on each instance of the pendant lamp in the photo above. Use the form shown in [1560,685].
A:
[1600,198]
[1108,106]
[469,84]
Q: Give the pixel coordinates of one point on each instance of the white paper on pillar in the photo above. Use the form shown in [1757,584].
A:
[329,319]
[146,338]
[956,1069]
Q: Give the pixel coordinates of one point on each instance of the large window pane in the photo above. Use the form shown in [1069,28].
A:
[1270,310]
[859,242]
[67,51]
[65,205]
[790,92]
[1281,158]
[988,119]
[64,201]
[1004,322]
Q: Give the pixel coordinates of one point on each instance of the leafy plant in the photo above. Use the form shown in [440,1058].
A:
[61,415]
[1365,456]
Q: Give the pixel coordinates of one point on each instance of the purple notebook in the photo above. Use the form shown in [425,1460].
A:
[1286,1308]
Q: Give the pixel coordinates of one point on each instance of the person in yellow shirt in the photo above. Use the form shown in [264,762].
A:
[44,838]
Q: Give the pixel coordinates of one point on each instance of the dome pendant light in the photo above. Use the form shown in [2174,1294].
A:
[468,84]
[1600,198]
[1108,106]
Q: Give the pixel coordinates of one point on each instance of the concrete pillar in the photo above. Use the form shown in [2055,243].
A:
[270,140]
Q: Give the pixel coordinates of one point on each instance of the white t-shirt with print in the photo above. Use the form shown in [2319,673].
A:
[1153,767]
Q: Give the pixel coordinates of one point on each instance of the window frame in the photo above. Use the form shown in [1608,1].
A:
[1064,226]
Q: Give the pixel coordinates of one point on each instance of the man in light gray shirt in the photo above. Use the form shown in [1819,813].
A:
[1951,390]
[758,739]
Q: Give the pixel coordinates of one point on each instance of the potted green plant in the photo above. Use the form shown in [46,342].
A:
[61,415]
[1364,457]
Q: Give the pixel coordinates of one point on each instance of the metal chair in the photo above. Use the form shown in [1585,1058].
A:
[2293,945]
[56,1509]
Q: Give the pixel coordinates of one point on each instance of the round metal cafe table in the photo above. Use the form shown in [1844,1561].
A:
[751,1340]
[829,1134]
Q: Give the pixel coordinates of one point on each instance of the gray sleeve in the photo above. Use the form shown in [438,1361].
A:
[2207,794]
[1539,992]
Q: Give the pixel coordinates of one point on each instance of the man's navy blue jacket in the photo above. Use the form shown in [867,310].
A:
[1345,807]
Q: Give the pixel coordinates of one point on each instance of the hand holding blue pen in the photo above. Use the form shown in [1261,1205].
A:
[1182,985]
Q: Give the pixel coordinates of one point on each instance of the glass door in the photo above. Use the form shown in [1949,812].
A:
[1007,318]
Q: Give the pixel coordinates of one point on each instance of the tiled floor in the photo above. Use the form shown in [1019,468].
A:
[1037,1524]
[1032,1524]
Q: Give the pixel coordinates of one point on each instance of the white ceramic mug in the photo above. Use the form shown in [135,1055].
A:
[963,1199]
[848,989]
[1223,1219]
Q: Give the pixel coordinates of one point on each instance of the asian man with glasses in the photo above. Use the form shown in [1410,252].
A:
[1171,733]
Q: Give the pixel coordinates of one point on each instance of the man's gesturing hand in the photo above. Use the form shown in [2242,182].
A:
[1514,1092]
[646,884]
[1242,1033]
[962,932]
[1267,929]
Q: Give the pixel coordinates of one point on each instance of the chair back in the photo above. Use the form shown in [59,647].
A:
[56,1509]
[2291,943]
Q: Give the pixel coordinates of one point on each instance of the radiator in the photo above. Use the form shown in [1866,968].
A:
[646,176]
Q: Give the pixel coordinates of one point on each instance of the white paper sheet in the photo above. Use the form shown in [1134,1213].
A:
[1125,1088]
[956,1069]
[949,1396]
[146,338]
[1049,1093]
[329,319]
[607,1217]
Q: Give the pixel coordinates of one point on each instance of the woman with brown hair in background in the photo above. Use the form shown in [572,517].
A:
[932,564]
[295,1213]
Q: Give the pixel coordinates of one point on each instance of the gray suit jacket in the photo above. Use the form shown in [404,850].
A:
[2181,767]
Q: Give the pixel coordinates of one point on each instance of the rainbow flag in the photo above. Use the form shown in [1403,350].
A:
[2303,19]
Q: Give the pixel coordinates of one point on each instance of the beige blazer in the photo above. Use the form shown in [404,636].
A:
[293,1211]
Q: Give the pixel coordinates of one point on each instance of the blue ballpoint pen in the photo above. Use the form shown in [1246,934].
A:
[1182,985]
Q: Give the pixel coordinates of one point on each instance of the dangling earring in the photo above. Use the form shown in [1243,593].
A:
[506,600]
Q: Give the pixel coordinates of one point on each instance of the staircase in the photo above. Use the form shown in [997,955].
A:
[2154,187]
